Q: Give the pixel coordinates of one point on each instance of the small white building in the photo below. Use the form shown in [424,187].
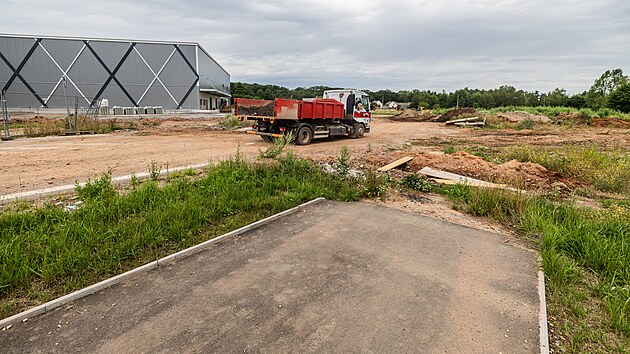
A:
[391,105]
[397,105]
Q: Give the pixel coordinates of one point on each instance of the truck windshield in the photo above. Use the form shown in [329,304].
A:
[366,102]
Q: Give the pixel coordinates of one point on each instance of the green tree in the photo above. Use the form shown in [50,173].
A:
[620,98]
[602,87]
[556,98]
[577,100]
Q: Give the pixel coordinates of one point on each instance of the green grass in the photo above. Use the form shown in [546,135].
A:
[586,258]
[46,252]
[440,110]
[58,126]
[386,112]
[552,112]
[607,169]
[230,123]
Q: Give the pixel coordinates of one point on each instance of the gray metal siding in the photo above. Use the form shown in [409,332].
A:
[177,85]
[211,75]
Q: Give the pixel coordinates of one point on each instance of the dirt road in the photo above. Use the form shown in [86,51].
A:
[319,281]
[27,164]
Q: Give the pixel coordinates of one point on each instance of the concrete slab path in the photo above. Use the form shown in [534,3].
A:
[336,277]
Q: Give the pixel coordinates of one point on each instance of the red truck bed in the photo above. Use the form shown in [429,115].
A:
[282,108]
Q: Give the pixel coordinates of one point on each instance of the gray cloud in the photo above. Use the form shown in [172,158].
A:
[534,45]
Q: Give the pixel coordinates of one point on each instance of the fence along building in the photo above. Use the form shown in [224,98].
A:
[40,71]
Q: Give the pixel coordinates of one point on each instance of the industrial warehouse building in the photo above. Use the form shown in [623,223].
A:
[42,72]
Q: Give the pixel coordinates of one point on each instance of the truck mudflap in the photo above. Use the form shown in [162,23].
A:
[253,132]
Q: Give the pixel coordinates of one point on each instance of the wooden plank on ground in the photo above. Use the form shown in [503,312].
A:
[461,120]
[396,163]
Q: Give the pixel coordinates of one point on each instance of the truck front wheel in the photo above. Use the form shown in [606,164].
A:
[360,130]
[304,135]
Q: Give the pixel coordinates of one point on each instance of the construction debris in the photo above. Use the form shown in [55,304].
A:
[448,178]
[396,163]
[464,122]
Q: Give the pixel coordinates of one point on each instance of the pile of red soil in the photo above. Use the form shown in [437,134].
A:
[456,113]
[527,175]
[610,123]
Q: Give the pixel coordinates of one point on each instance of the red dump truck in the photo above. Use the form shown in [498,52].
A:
[338,113]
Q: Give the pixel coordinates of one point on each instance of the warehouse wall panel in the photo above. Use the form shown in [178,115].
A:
[88,65]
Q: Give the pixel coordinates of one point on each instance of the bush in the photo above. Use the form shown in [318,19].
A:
[374,185]
[230,123]
[413,181]
[277,147]
[98,189]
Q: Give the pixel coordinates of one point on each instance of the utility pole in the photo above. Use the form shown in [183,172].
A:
[65,95]
[76,111]
[5,115]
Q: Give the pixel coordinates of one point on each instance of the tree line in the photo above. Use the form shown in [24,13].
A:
[610,90]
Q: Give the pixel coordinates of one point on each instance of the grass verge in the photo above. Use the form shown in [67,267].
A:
[47,252]
[552,112]
[607,169]
[586,258]
[59,126]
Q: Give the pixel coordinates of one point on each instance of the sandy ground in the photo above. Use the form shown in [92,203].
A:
[34,163]
[322,280]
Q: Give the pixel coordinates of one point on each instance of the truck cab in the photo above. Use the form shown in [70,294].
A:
[356,105]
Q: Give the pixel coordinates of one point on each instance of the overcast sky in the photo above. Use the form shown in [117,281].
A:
[371,44]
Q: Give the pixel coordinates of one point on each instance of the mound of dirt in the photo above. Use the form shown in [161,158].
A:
[518,116]
[411,115]
[610,122]
[574,117]
[527,175]
[456,113]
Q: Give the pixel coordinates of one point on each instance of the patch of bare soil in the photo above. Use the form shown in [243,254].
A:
[610,122]
[570,117]
[411,115]
[518,116]
[438,207]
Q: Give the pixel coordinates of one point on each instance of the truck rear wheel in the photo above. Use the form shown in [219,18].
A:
[304,135]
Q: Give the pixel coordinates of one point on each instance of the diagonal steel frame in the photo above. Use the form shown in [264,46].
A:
[16,72]
[156,76]
[112,74]
[196,77]
[64,73]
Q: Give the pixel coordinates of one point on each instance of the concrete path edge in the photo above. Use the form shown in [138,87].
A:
[542,317]
[53,304]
